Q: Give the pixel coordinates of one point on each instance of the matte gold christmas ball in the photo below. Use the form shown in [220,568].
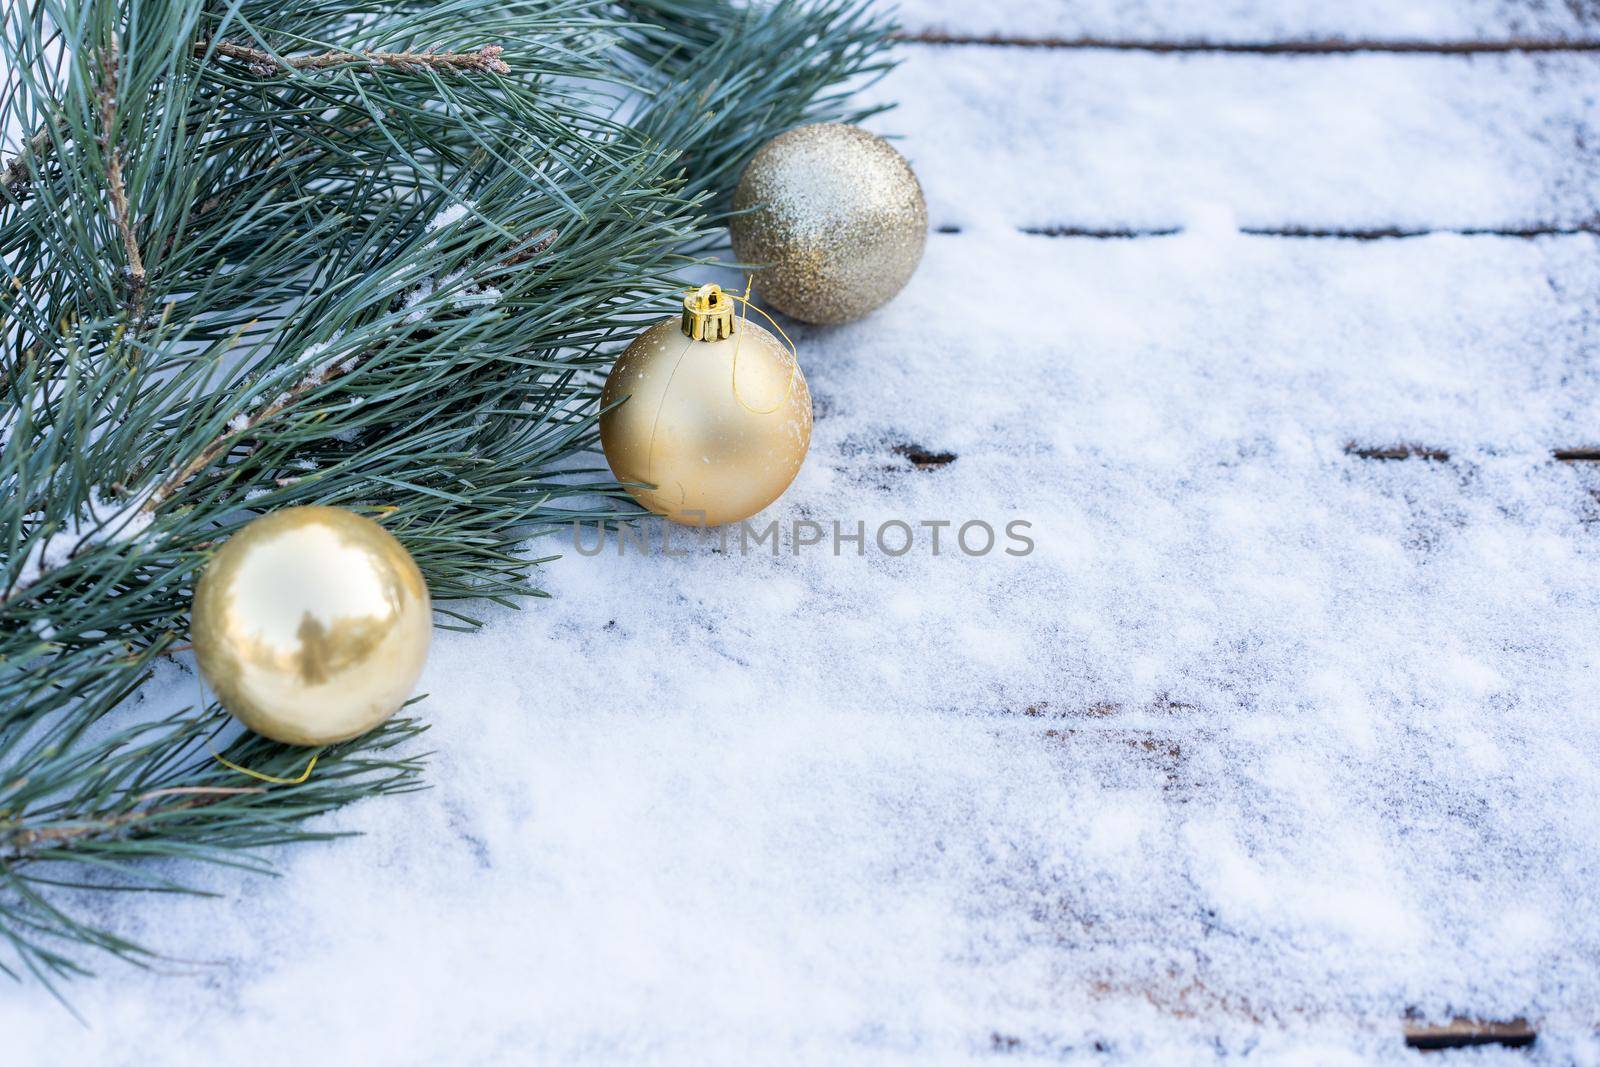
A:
[312,625]
[710,410]
[834,217]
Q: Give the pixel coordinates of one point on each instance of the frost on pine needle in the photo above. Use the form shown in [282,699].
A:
[415,303]
[309,371]
[322,369]
[447,294]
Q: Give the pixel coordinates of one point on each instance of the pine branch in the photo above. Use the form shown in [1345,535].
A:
[486,59]
[396,294]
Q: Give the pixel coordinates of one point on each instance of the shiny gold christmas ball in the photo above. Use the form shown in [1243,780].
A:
[312,625]
[835,219]
[711,411]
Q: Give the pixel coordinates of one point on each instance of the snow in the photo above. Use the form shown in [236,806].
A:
[312,367]
[105,521]
[451,215]
[454,290]
[1255,21]
[1261,748]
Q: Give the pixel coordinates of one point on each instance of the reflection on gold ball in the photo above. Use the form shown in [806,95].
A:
[836,218]
[718,445]
[312,625]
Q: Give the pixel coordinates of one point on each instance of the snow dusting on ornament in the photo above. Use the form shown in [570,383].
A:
[834,217]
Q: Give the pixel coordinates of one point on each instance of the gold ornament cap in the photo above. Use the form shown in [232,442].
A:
[708,313]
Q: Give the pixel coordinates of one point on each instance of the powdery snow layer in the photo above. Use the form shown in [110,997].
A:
[1257,21]
[1262,747]
[1043,137]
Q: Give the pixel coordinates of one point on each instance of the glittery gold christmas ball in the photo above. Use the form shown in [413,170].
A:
[312,625]
[710,410]
[834,217]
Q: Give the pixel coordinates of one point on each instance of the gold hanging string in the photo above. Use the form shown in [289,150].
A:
[232,766]
[738,339]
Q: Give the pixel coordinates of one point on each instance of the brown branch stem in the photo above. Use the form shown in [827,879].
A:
[114,185]
[483,60]
[225,440]
[26,842]
[16,173]
[532,248]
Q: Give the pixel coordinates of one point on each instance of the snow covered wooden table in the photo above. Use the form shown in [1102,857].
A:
[1284,739]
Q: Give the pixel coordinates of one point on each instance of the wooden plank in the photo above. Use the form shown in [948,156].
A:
[1373,23]
[1364,147]
[1441,343]
[1301,47]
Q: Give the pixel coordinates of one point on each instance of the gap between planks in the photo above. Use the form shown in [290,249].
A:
[1456,1034]
[1382,233]
[1581,454]
[1328,47]
[923,458]
[1469,1033]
